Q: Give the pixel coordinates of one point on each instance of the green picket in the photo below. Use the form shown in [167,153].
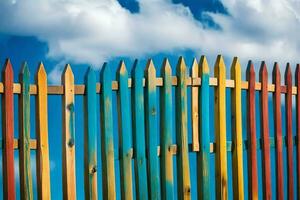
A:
[25,168]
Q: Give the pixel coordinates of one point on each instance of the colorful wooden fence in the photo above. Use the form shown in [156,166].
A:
[151,148]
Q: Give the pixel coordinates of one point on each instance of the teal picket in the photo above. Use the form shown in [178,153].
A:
[166,133]
[90,143]
[107,140]
[139,133]
[124,133]
[203,156]
[151,131]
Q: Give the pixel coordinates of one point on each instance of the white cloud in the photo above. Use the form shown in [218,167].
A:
[94,31]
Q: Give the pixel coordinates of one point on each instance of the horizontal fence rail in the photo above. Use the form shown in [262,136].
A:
[143,120]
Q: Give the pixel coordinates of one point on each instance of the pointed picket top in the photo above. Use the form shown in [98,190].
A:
[263,71]
[219,65]
[276,72]
[166,67]
[67,73]
[105,72]
[25,70]
[235,67]
[250,70]
[41,73]
[204,68]
[8,67]
[90,75]
[288,73]
[195,69]
[122,69]
[181,67]
[150,69]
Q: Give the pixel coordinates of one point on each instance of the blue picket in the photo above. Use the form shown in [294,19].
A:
[151,131]
[90,143]
[124,133]
[107,140]
[203,156]
[166,133]
[139,133]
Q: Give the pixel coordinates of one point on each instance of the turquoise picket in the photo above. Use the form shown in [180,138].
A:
[166,133]
[124,133]
[183,173]
[90,143]
[151,131]
[107,140]
[204,154]
[138,129]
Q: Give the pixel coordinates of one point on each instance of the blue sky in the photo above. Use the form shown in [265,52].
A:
[89,33]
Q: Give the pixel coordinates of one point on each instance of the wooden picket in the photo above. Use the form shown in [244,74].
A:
[146,148]
[265,132]
[278,132]
[43,166]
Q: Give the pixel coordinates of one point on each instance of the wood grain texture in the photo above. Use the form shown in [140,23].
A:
[220,130]
[9,190]
[166,162]
[265,132]
[25,165]
[124,133]
[107,139]
[297,83]
[183,172]
[252,164]
[237,135]
[195,107]
[90,137]
[151,132]
[203,156]
[139,144]
[278,132]
[43,166]
[288,105]
[68,137]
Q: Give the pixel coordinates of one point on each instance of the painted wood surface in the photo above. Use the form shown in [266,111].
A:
[151,132]
[297,83]
[278,132]
[124,133]
[265,132]
[43,166]
[183,172]
[90,137]
[288,105]
[220,130]
[203,156]
[237,135]
[139,144]
[251,127]
[195,108]
[166,163]
[9,189]
[68,137]
[25,164]
[107,137]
